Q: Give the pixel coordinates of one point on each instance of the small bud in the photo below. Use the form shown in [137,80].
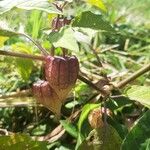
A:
[95,118]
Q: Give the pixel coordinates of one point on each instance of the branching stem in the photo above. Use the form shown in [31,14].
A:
[134,76]
[119,85]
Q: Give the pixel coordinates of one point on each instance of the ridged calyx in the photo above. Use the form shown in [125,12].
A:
[45,95]
[61,73]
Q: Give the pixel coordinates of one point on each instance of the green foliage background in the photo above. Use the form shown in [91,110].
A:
[119,32]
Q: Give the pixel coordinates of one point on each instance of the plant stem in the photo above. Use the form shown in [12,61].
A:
[64,52]
[97,57]
[22,93]
[36,43]
[134,76]
[65,3]
[52,51]
[83,79]
[57,21]
[119,85]
[13,54]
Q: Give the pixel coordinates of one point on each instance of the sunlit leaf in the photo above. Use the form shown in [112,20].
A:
[35,22]
[69,128]
[80,139]
[44,5]
[64,38]
[9,33]
[145,145]
[94,21]
[138,134]
[20,141]
[80,37]
[24,66]
[69,1]
[98,3]
[105,138]
[39,130]
[140,94]
[71,104]
[2,40]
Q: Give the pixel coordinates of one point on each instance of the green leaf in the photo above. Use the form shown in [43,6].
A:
[98,3]
[24,66]
[145,145]
[105,138]
[138,134]
[9,33]
[140,94]
[39,130]
[118,103]
[94,21]
[85,111]
[20,141]
[2,40]
[81,37]
[35,23]
[80,139]
[64,38]
[71,104]
[121,129]
[69,1]
[69,128]
[44,5]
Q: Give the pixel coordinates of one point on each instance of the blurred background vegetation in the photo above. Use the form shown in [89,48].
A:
[121,54]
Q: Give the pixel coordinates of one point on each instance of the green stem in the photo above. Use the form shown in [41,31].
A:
[14,54]
[119,85]
[52,51]
[36,43]
[134,76]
